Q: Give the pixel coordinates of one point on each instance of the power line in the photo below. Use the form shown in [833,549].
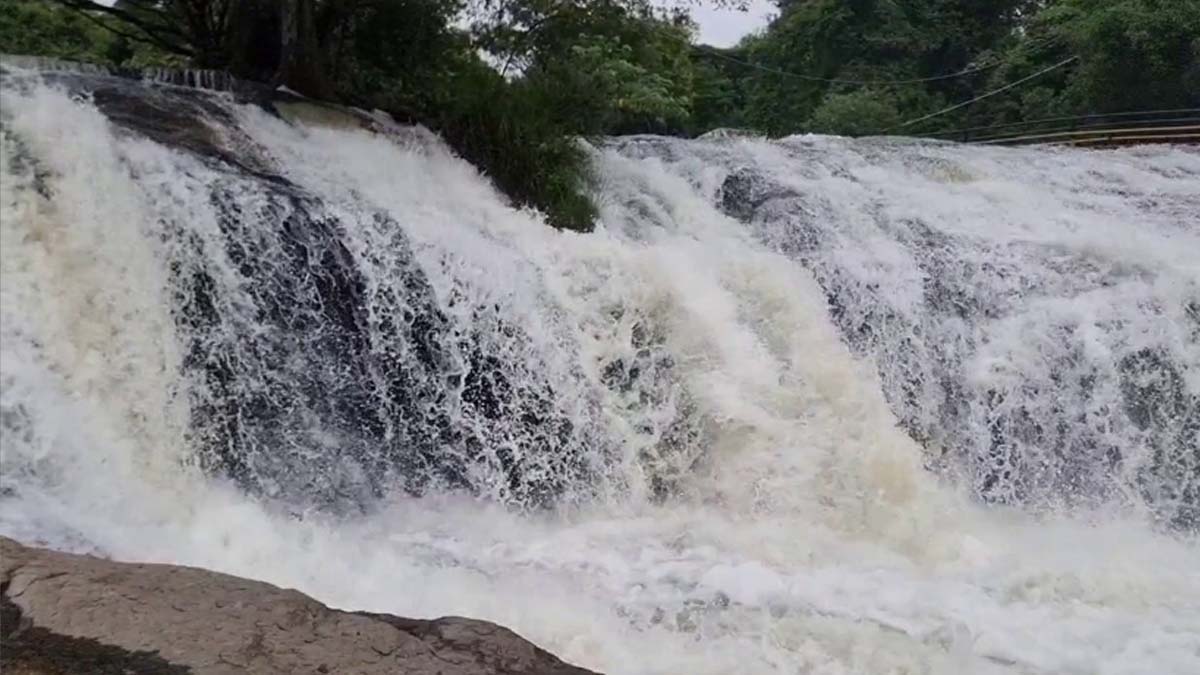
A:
[1006,87]
[999,60]
[837,80]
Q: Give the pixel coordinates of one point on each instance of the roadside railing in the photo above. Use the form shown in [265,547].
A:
[1099,130]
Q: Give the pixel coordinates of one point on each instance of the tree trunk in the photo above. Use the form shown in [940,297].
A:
[301,64]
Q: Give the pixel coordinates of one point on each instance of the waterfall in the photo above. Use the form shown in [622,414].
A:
[1034,315]
[810,405]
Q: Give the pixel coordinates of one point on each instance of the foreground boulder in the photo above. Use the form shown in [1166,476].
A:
[65,613]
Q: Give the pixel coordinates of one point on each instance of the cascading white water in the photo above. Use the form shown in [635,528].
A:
[649,448]
[1034,316]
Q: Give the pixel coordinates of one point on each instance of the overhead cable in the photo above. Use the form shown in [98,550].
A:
[1006,87]
[838,80]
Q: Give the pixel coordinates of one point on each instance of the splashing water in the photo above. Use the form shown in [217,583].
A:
[332,358]
[1042,342]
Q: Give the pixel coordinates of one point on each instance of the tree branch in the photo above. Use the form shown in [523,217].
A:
[144,38]
[153,34]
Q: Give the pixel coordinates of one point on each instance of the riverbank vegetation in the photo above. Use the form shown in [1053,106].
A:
[512,84]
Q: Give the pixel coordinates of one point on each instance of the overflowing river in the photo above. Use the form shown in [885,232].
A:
[803,406]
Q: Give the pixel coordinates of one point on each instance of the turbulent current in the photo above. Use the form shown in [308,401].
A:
[813,405]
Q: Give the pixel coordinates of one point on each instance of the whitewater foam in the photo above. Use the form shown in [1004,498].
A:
[757,506]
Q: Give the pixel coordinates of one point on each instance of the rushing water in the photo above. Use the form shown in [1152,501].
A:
[807,406]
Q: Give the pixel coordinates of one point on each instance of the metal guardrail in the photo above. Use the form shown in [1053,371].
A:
[1105,129]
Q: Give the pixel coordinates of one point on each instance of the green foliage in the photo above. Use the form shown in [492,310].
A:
[510,131]
[519,132]
[616,66]
[569,69]
[607,72]
[718,99]
[38,28]
[867,41]
[403,56]
[1132,52]
[859,113]
[1132,55]
[416,70]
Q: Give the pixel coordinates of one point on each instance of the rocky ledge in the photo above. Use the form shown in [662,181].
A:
[65,613]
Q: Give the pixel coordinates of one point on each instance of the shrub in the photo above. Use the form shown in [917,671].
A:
[858,113]
[511,132]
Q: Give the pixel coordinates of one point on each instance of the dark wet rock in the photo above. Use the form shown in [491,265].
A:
[740,193]
[172,117]
[1158,403]
[338,389]
[744,191]
[67,614]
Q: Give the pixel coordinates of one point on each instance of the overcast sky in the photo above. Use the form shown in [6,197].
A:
[724,27]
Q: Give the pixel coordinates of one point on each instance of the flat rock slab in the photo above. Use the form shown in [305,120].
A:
[65,613]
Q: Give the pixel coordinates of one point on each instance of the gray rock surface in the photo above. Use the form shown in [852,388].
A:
[65,613]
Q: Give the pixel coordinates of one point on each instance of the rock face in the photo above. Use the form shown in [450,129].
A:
[65,613]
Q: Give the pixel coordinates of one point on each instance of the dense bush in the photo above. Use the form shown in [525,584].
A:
[860,113]
[513,133]
[1132,53]
[39,28]
[1129,55]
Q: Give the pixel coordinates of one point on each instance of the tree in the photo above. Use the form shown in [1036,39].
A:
[617,65]
[42,28]
[859,113]
[880,44]
[718,96]
[190,28]
[1132,53]
[245,37]
[301,61]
